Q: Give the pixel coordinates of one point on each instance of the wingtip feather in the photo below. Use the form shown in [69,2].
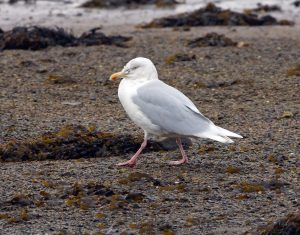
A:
[225,132]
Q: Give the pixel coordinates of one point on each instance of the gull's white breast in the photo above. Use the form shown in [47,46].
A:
[127,90]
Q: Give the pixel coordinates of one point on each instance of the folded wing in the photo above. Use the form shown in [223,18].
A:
[175,113]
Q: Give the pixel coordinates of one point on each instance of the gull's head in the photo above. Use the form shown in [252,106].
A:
[138,68]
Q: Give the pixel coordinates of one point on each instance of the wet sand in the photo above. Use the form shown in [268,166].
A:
[234,189]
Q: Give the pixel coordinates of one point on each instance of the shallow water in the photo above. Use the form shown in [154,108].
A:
[68,14]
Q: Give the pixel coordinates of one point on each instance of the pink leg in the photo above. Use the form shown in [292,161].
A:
[133,160]
[184,157]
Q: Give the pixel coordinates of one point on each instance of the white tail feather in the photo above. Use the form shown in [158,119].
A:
[225,132]
[222,139]
[219,134]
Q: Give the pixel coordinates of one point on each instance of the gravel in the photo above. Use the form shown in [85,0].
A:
[223,189]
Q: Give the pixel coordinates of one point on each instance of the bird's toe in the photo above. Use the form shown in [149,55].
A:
[127,164]
[177,163]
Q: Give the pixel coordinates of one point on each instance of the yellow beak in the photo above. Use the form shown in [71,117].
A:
[115,76]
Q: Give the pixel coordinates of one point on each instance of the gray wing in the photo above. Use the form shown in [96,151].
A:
[170,109]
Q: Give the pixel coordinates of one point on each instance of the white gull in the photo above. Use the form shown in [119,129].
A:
[161,110]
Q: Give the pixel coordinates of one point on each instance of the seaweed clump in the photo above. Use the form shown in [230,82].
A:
[127,3]
[70,142]
[296,3]
[232,170]
[263,8]
[81,196]
[179,57]
[212,15]
[25,1]
[288,225]
[56,79]
[37,38]
[274,184]
[23,216]
[294,71]
[134,177]
[251,187]
[287,114]
[212,40]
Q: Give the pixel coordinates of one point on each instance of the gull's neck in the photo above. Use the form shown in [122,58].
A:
[136,82]
[150,73]
[142,78]
[153,75]
[147,76]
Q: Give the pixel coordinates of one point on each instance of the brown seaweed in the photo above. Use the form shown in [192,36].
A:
[211,40]
[296,3]
[212,15]
[25,1]
[127,3]
[294,71]
[37,38]
[71,142]
[290,225]
[263,8]
[171,59]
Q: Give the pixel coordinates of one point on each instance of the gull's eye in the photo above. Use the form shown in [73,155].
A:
[134,68]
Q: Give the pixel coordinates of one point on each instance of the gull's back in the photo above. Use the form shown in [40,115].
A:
[170,109]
